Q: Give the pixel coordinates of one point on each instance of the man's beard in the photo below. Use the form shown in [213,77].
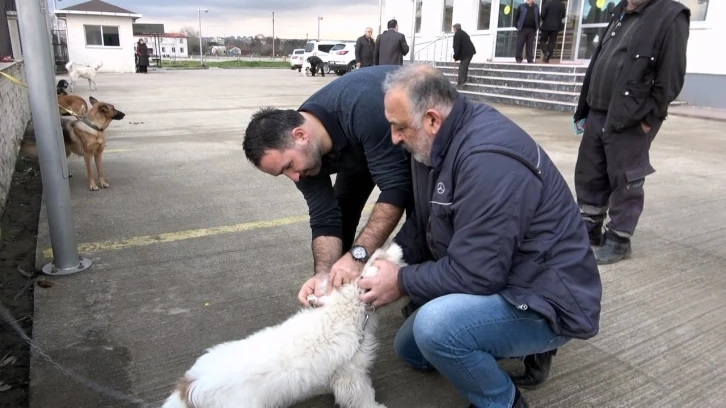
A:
[420,149]
[315,155]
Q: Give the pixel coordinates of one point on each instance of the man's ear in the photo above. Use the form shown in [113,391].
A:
[299,135]
[433,120]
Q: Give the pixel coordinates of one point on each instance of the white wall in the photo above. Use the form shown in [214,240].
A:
[704,44]
[705,49]
[115,59]
[466,13]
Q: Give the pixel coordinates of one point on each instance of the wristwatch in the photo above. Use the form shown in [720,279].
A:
[359,253]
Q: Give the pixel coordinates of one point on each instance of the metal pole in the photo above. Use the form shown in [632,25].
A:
[201,53]
[273,35]
[39,71]
[413,36]
[380,16]
[319,18]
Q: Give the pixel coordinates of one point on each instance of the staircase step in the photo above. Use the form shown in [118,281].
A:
[511,66]
[526,93]
[520,74]
[520,101]
[522,83]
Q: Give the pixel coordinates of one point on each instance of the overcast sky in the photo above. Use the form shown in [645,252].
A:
[342,19]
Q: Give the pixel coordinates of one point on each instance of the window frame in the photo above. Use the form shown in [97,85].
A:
[444,28]
[103,41]
[476,13]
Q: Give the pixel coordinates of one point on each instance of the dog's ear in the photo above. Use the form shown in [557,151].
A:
[93,100]
[394,253]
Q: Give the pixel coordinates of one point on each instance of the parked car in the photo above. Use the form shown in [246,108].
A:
[342,57]
[296,58]
[320,49]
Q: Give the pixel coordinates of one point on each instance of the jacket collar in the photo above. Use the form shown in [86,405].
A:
[620,8]
[446,132]
[330,123]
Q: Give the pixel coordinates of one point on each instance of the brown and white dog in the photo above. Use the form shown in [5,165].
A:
[69,105]
[83,136]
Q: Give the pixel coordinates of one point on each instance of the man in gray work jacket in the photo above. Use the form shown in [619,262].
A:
[498,256]
[637,70]
[342,130]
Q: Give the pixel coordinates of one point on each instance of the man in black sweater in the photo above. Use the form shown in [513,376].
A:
[463,51]
[526,19]
[316,64]
[364,47]
[341,129]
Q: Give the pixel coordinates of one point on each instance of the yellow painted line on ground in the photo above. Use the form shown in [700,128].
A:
[145,240]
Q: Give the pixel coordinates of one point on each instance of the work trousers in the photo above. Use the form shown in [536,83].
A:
[525,37]
[610,174]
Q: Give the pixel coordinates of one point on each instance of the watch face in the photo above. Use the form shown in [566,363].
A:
[359,253]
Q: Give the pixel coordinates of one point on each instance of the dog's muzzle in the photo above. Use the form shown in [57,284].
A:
[119,115]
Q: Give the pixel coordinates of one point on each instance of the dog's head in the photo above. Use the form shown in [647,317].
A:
[307,71]
[61,87]
[106,110]
[392,253]
[96,65]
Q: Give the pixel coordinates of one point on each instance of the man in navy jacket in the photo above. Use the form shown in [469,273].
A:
[500,264]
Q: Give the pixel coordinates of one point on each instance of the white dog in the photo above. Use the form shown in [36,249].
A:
[318,350]
[88,72]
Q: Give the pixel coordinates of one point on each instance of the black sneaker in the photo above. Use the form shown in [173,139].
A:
[614,249]
[519,401]
[536,370]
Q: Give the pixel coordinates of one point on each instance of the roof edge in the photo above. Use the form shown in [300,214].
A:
[98,13]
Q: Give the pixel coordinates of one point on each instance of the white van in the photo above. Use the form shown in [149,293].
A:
[319,49]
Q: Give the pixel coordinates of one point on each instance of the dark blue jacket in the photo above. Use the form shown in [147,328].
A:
[502,220]
[521,14]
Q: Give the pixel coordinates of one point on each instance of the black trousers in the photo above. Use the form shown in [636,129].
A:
[548,41]
[352,191]
[463,70]
[525,37]
[610,174]
[314,68]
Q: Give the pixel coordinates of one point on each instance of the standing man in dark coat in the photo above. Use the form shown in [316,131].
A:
[637,70]
[526,19]
[552,14]
[463,51]
[142,51]
[316,64]
[391,46]
[364,48]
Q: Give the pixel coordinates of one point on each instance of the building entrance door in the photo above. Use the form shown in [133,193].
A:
[505,42]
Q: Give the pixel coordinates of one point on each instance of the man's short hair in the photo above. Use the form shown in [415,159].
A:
[270,129]
[426,88]
[457,26]
[392,23]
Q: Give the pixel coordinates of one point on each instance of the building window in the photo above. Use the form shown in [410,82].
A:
[106,36]
[485,13]
[448,16]
[418,16]
[698,8]
[173,49]
[163,49]
[181,50]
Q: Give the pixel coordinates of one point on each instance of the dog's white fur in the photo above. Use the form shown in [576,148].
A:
[306,73]
[88,72]
[316,351]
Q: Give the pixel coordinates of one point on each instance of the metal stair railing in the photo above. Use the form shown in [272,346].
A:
[434,51]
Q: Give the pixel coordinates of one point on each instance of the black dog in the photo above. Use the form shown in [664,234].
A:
[60,89]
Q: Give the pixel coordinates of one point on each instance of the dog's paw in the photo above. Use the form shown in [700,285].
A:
[93,187]
[104,184]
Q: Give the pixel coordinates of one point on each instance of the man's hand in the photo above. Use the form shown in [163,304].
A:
[314,286]
[344,271]
[383,287]
[645,127]
[357,64]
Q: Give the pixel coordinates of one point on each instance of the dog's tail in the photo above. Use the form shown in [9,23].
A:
[28,146]
[183,396]
[69,65]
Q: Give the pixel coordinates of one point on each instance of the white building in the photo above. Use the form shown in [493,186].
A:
[99,31]
[170,45]
[490,25]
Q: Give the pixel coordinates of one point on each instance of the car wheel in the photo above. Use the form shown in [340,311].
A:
[340,72]
[352,67]
[326,67]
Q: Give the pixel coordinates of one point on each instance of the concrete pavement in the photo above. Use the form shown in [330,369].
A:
[192,246]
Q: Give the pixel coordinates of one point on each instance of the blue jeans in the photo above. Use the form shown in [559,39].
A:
[463,336]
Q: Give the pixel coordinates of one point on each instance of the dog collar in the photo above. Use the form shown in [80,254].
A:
[91,125]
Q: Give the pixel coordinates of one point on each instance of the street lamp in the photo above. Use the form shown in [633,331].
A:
[201,53]
[319,18]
